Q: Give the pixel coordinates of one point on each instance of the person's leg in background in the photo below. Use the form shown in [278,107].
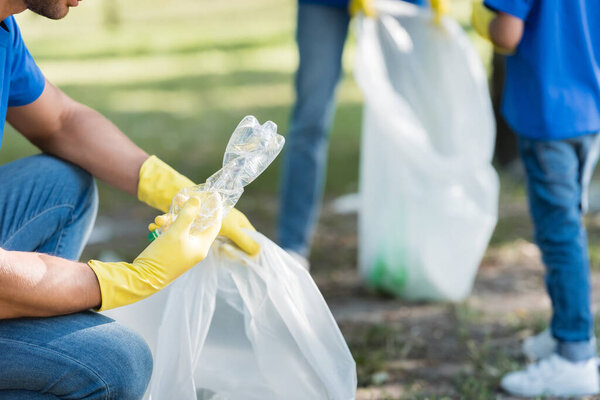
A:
[557,185]
[49,205]
[558,173]
[321,34]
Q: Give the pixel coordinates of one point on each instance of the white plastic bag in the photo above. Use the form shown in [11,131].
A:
[243,328]
[250,150]
[428,190]
[237,327]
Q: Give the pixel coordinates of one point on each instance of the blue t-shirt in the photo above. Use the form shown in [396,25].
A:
[344,3]
[552,88]
[22,81]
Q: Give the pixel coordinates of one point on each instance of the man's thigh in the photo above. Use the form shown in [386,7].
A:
[79,356]
[46,205]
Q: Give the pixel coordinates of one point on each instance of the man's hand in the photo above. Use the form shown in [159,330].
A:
[158,185]
[233,225]
[503,30]
[165,259]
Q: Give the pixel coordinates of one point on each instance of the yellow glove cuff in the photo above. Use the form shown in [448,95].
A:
[361,6]
[121,283]
[481,18]
[440,8]
[159,183]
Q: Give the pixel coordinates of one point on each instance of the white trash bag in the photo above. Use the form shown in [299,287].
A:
[243,328]
[237,327]
[429,194]
[250,150]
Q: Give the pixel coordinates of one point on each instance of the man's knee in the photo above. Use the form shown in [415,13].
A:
[120,370]
[118,358]
[130,368]
[71,192]
[85,356]
[77,185]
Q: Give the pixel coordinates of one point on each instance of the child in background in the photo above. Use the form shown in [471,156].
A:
[552,101]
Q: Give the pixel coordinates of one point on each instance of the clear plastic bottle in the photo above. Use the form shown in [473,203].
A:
[251,149]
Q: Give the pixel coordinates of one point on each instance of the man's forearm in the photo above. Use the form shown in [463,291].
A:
[38,285]
[80,135]
[91,141]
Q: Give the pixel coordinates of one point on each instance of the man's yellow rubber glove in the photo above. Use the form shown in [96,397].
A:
[481,18]
[159,183]
[232,227]
[440,8]
[361,6]
[165,259]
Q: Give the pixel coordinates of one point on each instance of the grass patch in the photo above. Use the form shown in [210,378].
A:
[177,79]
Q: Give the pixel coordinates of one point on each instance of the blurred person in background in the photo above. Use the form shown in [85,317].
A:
[322,27]
[50,346]
[552,101]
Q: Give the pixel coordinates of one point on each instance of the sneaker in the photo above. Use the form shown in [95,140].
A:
[300,259]
[539,346]
[554,376]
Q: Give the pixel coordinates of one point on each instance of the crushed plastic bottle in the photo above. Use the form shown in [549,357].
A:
[251,148]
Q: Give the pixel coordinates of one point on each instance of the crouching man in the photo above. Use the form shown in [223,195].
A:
[51,345]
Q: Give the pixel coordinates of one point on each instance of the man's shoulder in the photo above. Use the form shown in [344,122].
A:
[10,23]
[11,26]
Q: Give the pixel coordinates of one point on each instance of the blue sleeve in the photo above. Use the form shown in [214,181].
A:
[27,81]
[517,8]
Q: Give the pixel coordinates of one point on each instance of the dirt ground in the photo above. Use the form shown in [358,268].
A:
[424,351]
[407,350]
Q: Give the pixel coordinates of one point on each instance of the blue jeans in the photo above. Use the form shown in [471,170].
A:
[320,35]
[558,175]
[48,205]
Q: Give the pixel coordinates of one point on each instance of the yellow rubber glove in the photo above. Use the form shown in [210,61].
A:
[440,8]
[481,18]
[165,259]
[361,6]
[232,227]
[159,183]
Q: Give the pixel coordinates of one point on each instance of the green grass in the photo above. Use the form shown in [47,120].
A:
[178,78]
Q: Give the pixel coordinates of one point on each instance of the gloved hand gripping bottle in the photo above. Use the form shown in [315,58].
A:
[251,149]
